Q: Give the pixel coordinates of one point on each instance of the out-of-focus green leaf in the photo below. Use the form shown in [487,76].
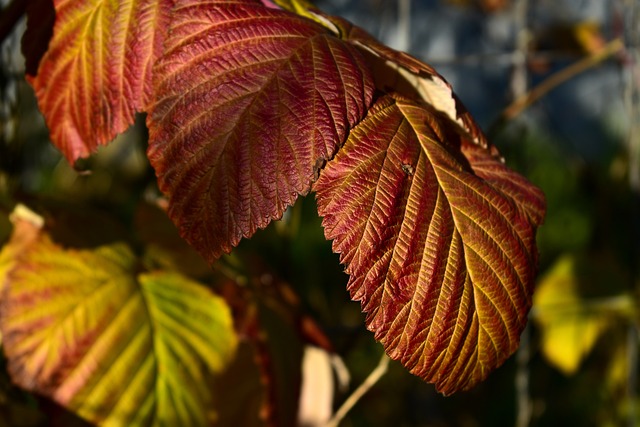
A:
[571,320]
[116,346]
[619,367]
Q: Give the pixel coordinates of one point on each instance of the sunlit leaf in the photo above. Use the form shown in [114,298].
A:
[308,10]
[299,6]
[116,346]
[97,71]
[399,72]
[438,238]
[26,229]
[251,102]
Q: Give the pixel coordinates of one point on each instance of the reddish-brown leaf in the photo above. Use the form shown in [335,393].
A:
[438,238]
[251,101]
[395,71]
[401,73]
[97,71]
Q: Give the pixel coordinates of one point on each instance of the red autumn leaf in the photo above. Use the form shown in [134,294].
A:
[394,71]
[251,101]
[248,104]
[399,72]
[438,238]
[97,71]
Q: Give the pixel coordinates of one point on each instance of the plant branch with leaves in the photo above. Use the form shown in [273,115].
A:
[251,104]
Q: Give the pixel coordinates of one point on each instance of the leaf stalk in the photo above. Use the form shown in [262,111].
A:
[366,385]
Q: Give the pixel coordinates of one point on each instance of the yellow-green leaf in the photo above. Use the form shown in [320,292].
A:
[26,228]
[571,322]
[116,346]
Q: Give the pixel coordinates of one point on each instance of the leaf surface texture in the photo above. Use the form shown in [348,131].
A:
[438,238]
[251,102]
[96,73]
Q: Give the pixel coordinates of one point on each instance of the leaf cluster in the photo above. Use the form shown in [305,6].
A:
[251,104]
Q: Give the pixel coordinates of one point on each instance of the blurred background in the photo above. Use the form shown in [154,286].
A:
[556,85]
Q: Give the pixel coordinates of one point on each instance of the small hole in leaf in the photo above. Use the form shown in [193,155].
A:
[408,169]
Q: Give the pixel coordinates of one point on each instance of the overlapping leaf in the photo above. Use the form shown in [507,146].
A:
[115,346]
[97,71]
[395,71]
[271,328]
[251,102]
[438,238]
[242,394]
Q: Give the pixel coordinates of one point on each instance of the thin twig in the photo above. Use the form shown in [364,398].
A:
[553,81]
[366,385]
[519,87]
[500,58]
